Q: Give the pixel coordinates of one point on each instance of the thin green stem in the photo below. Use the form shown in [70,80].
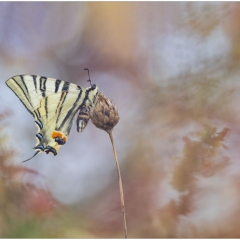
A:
[120,185]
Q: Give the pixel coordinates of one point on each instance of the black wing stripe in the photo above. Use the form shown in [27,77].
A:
[59,113]
[21,76]
[25,85]
[70,111]
[57,83]
[43,81]
[24,95]
[37,114]
[46,106]
[35,81]
[44,85]
[65,86]
[86,97]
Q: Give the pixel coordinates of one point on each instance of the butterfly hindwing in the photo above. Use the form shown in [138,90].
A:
[53,103]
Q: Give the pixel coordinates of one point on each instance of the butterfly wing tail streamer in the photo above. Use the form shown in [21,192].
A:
[36,153]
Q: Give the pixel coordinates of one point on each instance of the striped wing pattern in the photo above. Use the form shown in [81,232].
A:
[53,104]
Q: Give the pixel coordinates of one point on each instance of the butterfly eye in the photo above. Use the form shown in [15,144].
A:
[60,141]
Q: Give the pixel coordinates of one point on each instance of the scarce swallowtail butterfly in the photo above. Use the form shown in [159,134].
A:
[53,103]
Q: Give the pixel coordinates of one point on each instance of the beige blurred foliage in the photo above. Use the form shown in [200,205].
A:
[178,135]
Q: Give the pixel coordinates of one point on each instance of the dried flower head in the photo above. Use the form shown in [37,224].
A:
[105,114]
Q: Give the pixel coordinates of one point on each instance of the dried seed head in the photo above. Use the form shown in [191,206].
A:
[105,114]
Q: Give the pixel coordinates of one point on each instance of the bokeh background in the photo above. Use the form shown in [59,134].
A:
[173,70]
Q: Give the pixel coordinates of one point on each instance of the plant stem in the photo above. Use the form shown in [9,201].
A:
[120,185]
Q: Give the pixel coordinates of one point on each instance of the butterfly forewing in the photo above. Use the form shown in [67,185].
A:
[31,89]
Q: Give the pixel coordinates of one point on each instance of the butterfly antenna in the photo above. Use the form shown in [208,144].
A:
[32,156]
[89,80]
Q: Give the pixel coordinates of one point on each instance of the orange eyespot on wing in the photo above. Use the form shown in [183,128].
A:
[57,134]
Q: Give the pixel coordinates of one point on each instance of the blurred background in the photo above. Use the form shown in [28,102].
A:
[172,69]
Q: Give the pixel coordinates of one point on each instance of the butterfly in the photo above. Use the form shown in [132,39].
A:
[53,103]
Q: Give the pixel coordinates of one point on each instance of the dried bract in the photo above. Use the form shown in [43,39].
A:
[105,114]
